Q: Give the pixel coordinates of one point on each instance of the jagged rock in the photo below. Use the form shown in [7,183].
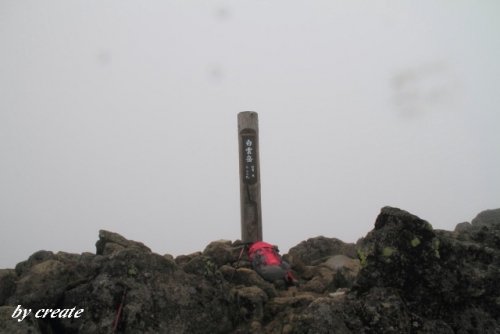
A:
[280,304]
[338,271]
[316,250]
[345,270]
[321,317]
[321,281]
[110,242]
[339,262]
[182,260]
[437,275]
[158,297]
[402,251]
[201,265]
[221,252]
[35,258]
[247,277]
[380,310]
[250,300]
[7,284]
[484,229]
[462,227]
[12,326]
[384,311]
[488,218]
[44,278]
[282,310]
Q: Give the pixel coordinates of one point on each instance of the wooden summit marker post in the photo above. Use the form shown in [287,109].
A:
[248,139]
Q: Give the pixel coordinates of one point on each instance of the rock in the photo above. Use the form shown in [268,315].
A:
[462,227]
[338,262]
[433,326]
[169,257]
[160,302]
[110,242]
[13,326]
[35,258]
[338,271]
[221,252]
[345,270]
[321,281]
[484,229]
[250,300]
[42,284]
[384,311]
[315,250]
[488,218]
[320,317]
[434,273]
[281,304]
[182,260]
[248,277]
[8,279]
[402,252]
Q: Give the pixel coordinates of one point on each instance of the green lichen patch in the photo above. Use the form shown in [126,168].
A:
[362,257]
[435,246]
[388,251]
[132,271]
[415,242]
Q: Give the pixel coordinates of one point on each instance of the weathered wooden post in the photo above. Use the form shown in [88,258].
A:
[248,139]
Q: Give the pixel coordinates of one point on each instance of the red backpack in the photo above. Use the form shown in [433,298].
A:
[263,254]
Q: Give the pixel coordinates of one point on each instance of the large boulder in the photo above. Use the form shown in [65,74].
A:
[401,252]
[43,279]
[156,296]
[437,275]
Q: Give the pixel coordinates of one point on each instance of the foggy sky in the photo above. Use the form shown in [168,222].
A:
[121,115]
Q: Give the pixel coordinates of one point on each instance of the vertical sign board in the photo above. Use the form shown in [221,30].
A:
[249,142]
[251,214]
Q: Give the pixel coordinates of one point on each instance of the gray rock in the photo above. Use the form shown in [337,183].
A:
[35,258]
[435,273]
[221,252]
[8,279]
[321,281]
[462,227]
[322,316]
[250,300]
[248,277]
[315,250]
[110,242]
[13,326]
[182,260]
[489,218]
[345,270]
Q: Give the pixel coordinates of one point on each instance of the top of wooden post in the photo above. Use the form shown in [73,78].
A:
[248,120]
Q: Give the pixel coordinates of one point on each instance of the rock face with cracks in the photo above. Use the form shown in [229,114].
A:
[403,277]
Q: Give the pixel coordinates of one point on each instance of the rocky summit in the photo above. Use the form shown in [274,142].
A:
[402,277]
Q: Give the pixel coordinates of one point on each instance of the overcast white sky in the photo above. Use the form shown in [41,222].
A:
[121,115]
